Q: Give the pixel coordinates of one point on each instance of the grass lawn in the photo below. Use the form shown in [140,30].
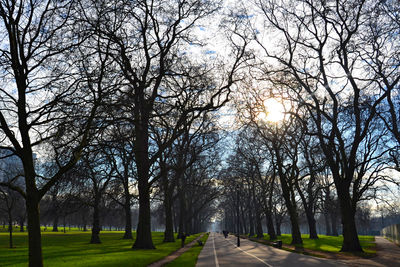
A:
[329,243]
[189,258]
[73,249]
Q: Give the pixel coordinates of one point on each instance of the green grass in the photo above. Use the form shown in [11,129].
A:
[73,249]
[189,258]
[329,243]
[45,229]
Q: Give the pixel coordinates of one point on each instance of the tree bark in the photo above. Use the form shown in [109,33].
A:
[128,215]
[95,238]
[351,243]
[251,222]
[55,223]
[182,210]
[270,226]
[259,230]
[21,224]
[34,235]
[278,228]
[169,230]
[143,234]
[312,225]
[10,229]
[289,196]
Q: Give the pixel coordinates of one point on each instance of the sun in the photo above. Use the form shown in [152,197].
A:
[274,111]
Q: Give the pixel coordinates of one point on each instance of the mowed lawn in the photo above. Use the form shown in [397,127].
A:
[189,258]
[73,249]
[329,243]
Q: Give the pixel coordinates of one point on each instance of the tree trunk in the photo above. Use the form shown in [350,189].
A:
[128,217]
[21,224]
[250,215]
[182,212]
[55,223]
[143,234]
[169,230]
[289,196]
[10,228]
[251,223]
[270,226]
[259,230]
[95,239]
[141,148]
[351,243]
[296,235]
[312,225]
[278,228]
[34,235]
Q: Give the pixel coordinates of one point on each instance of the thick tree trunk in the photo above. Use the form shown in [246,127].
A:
[251,223]
[141,148]
[312,224]
[128,218]
[169,230]
[278,228]
[55,223]
[182,212]
[259,230]
[143,234]
[34,235]
[95,239]
[296,235]
[351,243]
[292,211]
[243,223]
[289,196]
[21,224]
[270,226]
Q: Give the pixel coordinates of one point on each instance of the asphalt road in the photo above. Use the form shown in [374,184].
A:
[219,251]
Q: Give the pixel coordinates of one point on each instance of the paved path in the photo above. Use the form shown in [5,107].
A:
[219,251]
[388,255]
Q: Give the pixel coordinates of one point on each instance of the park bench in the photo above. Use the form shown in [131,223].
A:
[277,244]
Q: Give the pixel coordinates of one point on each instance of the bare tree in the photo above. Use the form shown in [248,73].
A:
[149,43]
[41,98]
[343,77]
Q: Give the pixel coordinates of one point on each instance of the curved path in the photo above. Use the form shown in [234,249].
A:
[219,251]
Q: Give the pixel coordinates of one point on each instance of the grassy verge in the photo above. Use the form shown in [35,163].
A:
[189,258]
[73,249]
[329,244]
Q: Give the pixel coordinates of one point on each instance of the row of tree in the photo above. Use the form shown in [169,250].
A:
[334,67]
[107,91]
[100,92]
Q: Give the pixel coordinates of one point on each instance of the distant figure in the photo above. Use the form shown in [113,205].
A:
[225,233]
